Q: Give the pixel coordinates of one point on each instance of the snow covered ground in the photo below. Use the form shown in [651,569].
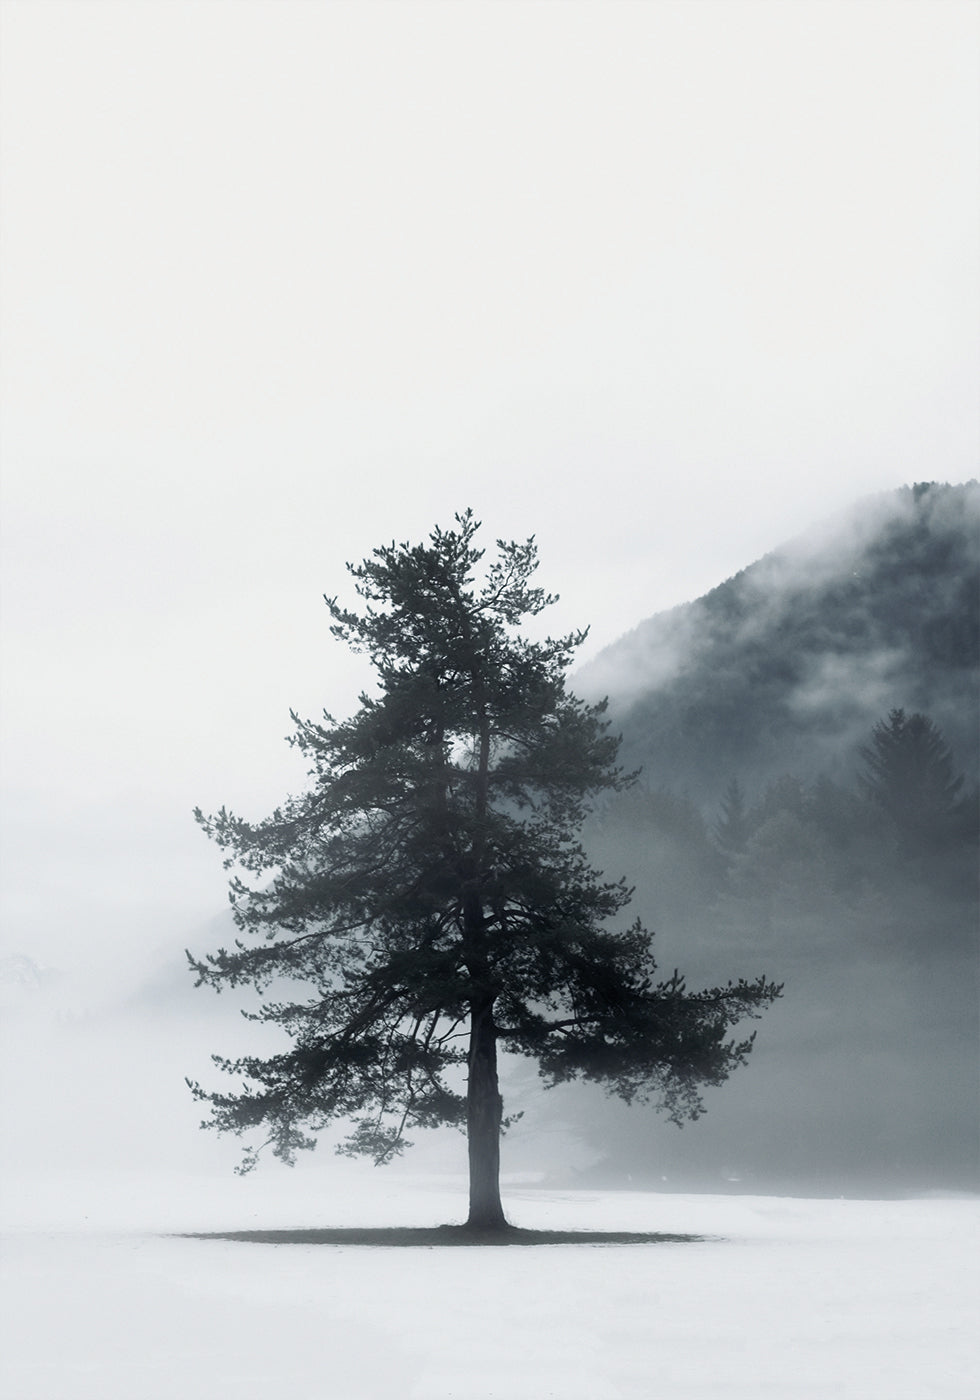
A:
[787,1298]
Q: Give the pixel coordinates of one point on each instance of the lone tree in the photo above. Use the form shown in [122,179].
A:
[429,890]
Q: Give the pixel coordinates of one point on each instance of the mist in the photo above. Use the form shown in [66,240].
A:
[864,1077]
[663,285]
[690,293]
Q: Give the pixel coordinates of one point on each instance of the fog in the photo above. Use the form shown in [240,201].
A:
[663,285]
[804,649]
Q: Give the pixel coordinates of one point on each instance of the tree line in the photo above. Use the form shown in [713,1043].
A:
[859,892]
[907,818]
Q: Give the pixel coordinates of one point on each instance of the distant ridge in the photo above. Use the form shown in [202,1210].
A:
[785,667]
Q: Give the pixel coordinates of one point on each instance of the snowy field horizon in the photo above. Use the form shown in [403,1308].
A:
[104,1296]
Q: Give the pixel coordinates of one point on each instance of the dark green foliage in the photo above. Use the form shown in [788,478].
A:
[431,880]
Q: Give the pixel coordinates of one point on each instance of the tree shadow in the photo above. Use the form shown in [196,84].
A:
[438,1236]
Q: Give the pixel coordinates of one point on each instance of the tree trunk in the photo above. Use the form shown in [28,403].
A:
[484,1109]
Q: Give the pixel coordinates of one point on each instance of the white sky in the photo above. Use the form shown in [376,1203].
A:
[660,283]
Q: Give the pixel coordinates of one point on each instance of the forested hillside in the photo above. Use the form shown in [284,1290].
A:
[808,809]
[785,667]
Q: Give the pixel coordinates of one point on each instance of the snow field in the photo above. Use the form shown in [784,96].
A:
[786,1298]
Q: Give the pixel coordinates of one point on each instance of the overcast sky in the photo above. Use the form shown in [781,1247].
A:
[659,283]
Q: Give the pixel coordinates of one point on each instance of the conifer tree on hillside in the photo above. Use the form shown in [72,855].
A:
[427,897]
[733,827]
[909,776]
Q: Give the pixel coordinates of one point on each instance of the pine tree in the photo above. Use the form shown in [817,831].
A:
[429,886]
[734,826]
[910,777]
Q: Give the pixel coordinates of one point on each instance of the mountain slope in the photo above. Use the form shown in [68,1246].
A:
[786,666]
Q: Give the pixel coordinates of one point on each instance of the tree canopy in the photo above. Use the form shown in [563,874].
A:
[427,896]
